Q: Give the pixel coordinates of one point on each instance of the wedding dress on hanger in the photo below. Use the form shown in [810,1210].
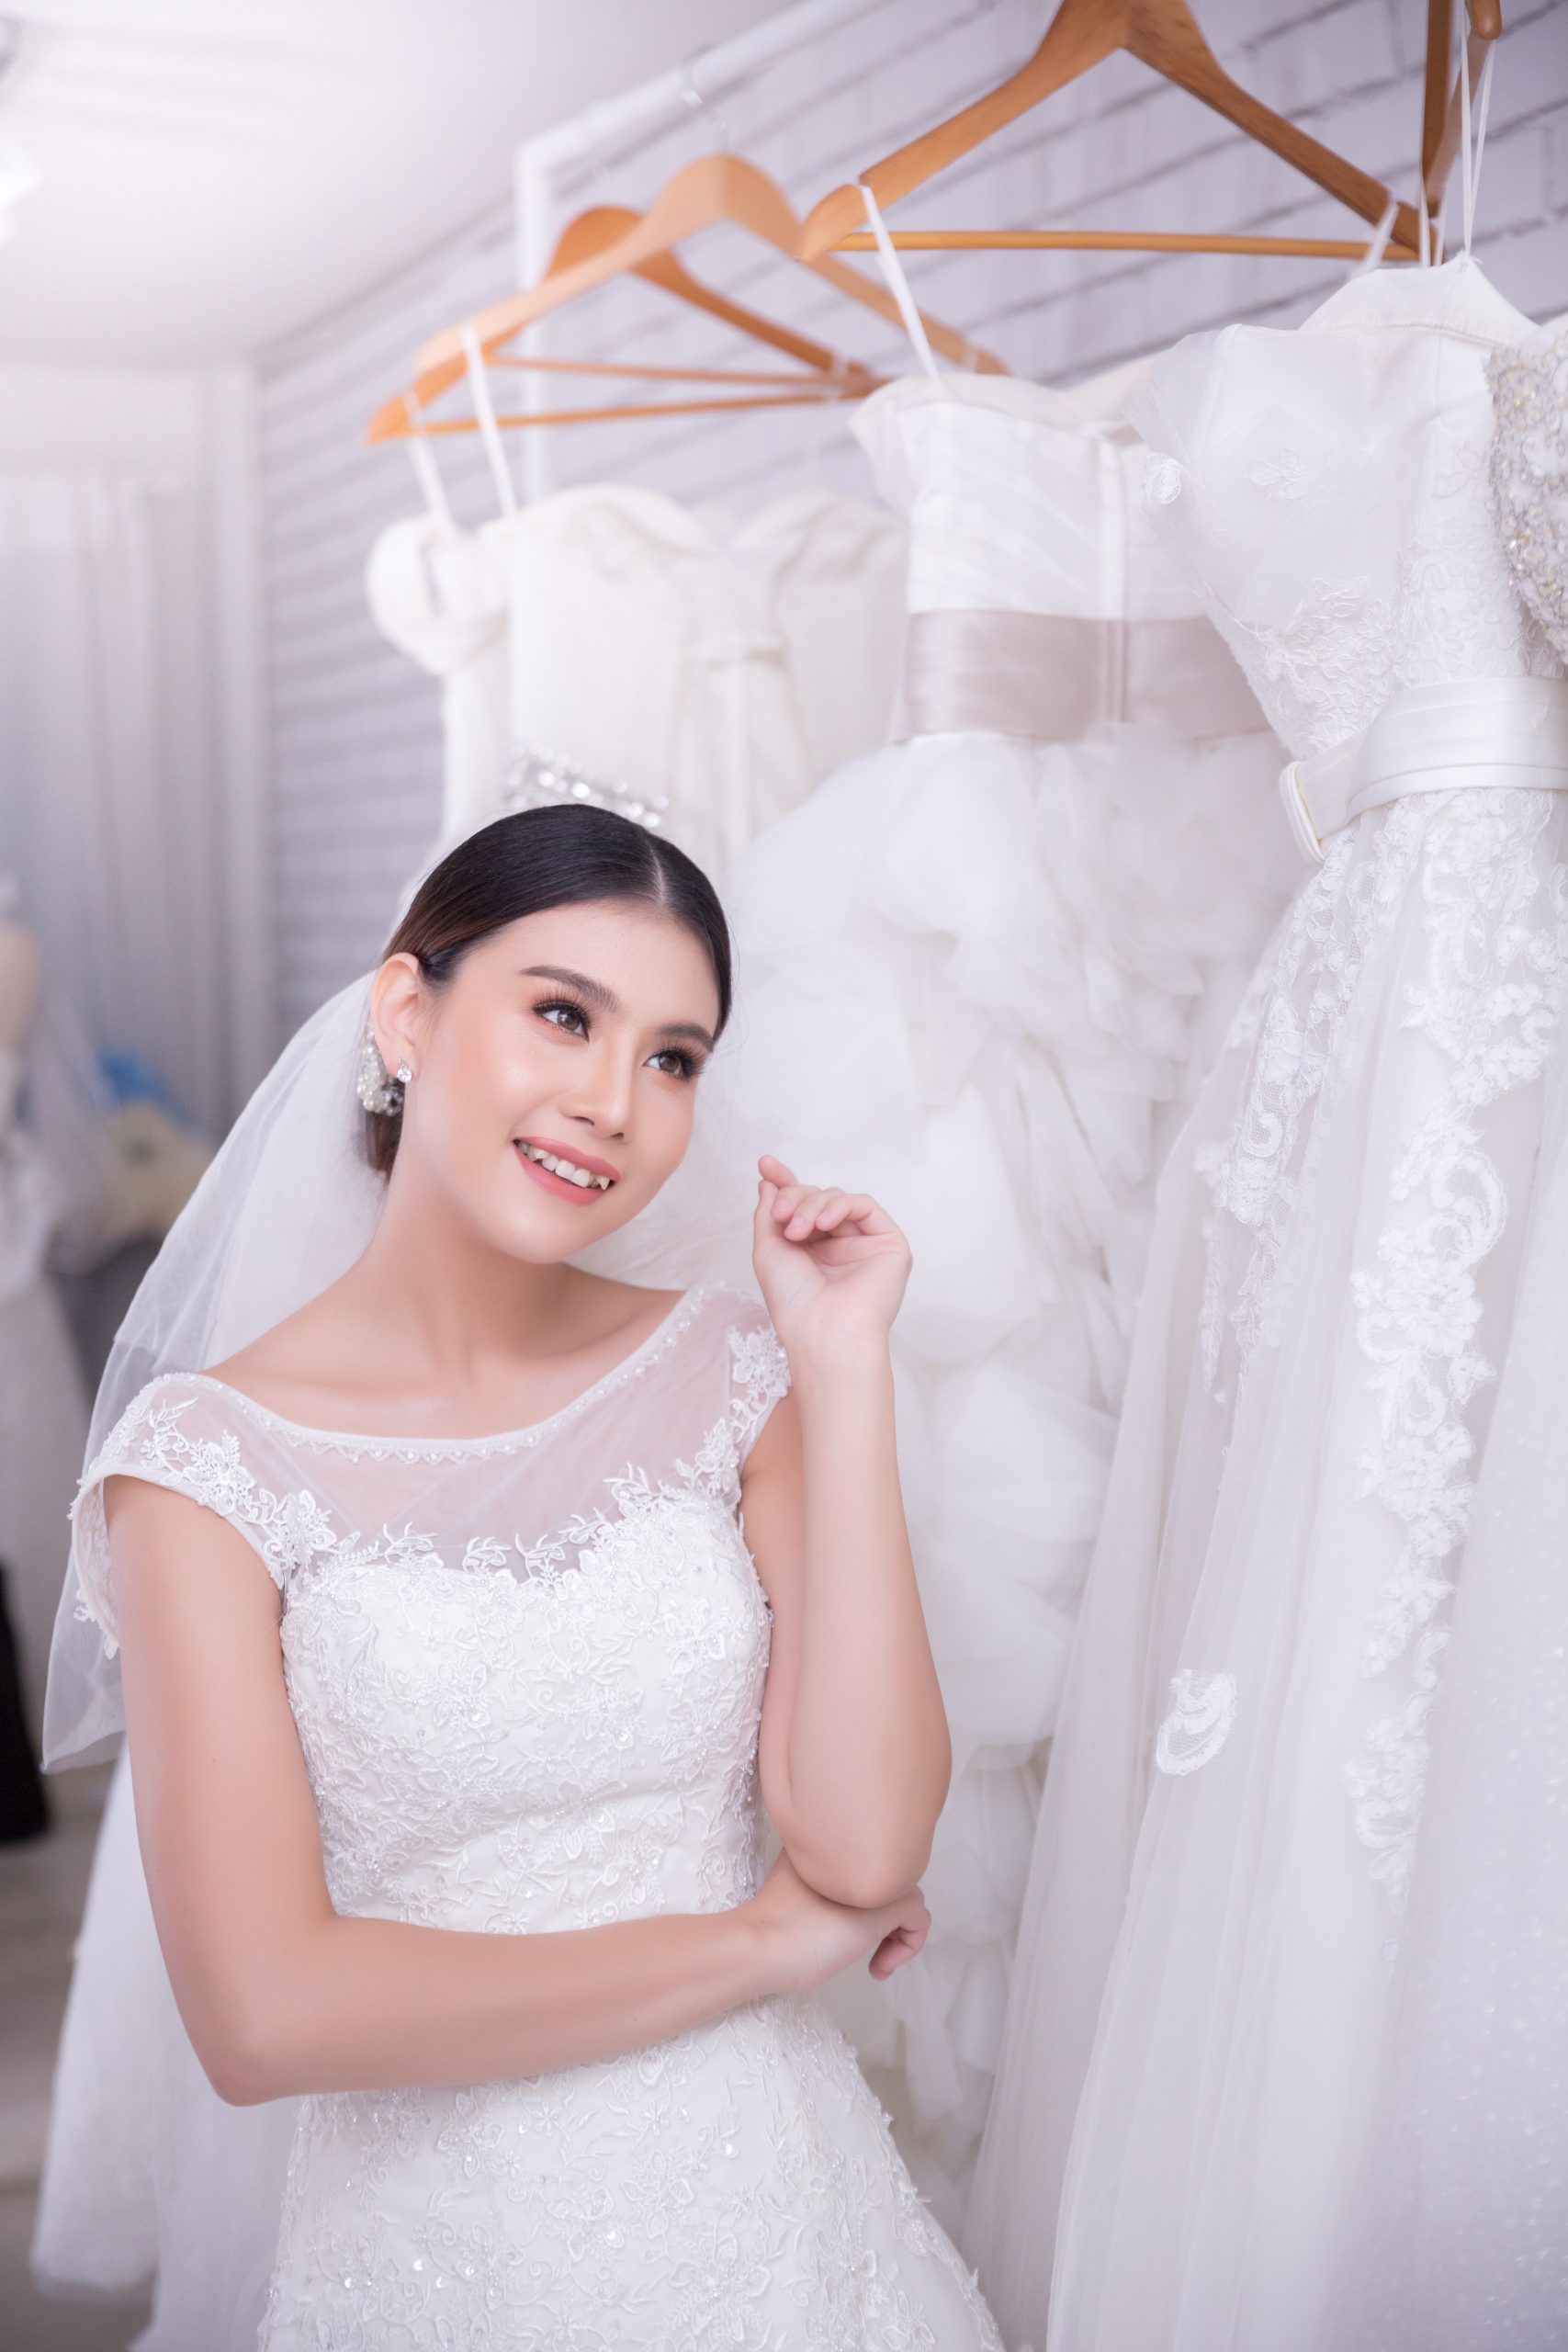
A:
[1203,1978]
[717,670]
[1460,2239]
[976,972]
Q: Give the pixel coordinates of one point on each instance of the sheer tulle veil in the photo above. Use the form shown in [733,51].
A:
[289,1204]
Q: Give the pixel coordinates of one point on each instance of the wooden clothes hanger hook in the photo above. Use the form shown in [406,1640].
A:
[1163,35]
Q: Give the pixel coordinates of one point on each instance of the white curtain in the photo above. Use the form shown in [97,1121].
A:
[111,804]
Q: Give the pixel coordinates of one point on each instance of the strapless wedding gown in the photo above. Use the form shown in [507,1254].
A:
[976,972]
[1231,1815]
[531,1703]
[722,669]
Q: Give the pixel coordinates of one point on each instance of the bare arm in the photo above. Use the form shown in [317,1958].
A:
[855,1754]
[279,1993]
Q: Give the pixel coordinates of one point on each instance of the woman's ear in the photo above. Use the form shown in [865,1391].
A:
[397,1003]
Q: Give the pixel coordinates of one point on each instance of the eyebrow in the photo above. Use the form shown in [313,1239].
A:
[607,1002]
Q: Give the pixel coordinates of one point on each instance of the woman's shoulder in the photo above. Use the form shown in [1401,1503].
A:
[171,1414]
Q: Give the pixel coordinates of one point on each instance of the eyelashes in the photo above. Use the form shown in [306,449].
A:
[563,1005]
[687,1064]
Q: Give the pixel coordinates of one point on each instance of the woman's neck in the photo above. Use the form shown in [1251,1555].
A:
[432,1278]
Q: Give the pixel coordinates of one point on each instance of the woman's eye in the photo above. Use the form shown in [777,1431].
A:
[569,1017]
[674,1062]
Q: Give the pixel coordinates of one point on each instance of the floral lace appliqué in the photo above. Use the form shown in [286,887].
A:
[1202,1711]
[1492,1004]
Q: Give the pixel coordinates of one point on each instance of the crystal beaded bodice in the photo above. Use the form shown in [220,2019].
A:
[1326,491]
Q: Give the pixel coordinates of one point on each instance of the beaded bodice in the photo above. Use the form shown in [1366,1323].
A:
[527,1670]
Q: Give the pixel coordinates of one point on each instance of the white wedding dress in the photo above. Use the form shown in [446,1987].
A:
[977,973]
[720,669]
[1231,1815]
[530,1703]
[1460,2245]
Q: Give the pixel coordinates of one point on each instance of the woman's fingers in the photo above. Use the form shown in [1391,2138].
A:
[807,1214]
[803,1209]
[904,1942]
[798,1209]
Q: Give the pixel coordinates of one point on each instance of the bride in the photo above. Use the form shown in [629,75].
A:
[454,1693]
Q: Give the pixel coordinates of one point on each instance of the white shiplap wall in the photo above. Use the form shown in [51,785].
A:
[354,726]
[355,729]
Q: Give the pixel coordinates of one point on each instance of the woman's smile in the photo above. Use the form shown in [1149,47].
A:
[577,1176]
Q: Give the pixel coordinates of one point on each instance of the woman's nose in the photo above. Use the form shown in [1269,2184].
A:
[601,1097]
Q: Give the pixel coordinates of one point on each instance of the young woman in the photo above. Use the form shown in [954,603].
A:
[450,1680]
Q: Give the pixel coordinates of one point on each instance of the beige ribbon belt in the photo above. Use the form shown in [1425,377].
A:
[1053,677]
[1468,734]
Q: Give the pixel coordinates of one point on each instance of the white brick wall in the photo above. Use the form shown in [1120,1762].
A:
[355,729]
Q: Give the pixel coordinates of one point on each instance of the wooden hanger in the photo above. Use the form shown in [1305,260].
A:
[712,190]
[820,372]
[1441,107]
[1164,35]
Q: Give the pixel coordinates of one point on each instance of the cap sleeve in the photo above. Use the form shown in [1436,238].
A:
[759,1375]
[175,1435]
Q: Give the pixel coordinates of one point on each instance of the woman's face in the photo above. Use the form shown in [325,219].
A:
[575,1038]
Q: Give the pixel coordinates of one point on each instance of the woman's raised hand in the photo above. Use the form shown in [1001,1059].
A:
[830,1263]
[810,1939]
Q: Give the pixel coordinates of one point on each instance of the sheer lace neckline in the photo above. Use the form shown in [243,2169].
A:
[498,1441]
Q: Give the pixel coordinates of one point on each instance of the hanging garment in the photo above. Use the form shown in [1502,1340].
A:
[718,672]
[736,2182]
[974,973]
[1230,1819]
[1460,2245]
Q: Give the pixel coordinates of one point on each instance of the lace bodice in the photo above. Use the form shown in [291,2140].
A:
[1326,491]
[559,1627]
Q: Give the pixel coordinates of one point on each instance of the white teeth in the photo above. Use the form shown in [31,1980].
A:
[566,1170]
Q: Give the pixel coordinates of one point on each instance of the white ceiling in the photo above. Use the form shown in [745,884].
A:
[212,174]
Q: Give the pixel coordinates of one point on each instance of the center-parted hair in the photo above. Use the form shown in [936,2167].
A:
[527,863]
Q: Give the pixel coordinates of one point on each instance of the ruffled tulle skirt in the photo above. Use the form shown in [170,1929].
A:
[1213,1944]
[977,977]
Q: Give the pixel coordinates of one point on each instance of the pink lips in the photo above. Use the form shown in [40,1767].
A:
[559,1185]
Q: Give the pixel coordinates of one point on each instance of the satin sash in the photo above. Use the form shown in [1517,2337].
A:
[1052,676]
[1466,734]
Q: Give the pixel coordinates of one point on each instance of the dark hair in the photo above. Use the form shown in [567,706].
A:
[537,858]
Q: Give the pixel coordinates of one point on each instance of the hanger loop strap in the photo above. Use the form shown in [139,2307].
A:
[1473,151]
[427,473]
[899,285]
[1377,245]
[484,412]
